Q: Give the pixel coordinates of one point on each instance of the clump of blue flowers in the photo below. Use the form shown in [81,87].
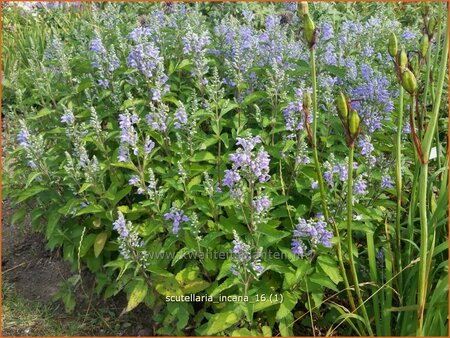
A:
[131,246]
[309,234]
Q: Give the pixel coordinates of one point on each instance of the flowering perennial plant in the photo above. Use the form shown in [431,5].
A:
[169,147]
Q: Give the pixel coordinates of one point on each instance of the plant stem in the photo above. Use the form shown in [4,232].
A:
[423,247]
[350,239]
[423,185]
[398,172]
[374,277]
[322,189]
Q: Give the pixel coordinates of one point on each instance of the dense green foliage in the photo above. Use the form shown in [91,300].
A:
[196,149]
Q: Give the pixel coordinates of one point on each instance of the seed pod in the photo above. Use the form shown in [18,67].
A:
[306,100]
[310,30]
[393,45]
[431,26]
[425,9]
[424,45]
[353,125]
[409,81]
[402,59]
[304,8]
[415,65]
[341,104]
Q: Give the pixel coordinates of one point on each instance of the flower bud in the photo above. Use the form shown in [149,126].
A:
[409,81]
[415,65]
[402,59]
[425,9]
[310,30]
[424,45]
[307,100]
[431,25]
[353,125]
[341,104]
[304,8]
[393,45]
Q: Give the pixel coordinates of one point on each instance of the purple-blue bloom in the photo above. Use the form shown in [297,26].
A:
[177,217]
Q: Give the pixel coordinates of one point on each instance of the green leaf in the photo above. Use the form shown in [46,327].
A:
[321,279]
[222,321]
[286,327]
[90,209]
[137,295]
[18,215]
[99,243]
[251,98]
[180,254]
[120,195]
[184,64]
[329,266]
[88,242]
[30,192]
[189,280]
[52,222]
[289,302]
[41,113]
[31,178]
[169,287]
[84,187]
[131,103]
[203,156]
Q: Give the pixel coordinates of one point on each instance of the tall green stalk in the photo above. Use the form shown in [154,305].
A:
[423,186]
[374,277]
[398,173]
[350,238]
[321,185]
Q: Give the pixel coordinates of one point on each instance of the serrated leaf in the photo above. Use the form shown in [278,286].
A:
[329,266]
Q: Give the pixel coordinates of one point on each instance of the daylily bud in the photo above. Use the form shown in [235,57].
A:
[341,104]
[424,45]
[353,125]
[409,81]
[304,8]
[415,65]
[393,45]
[402,59]
[306,100]
[310,30]
[425,9]
[431,25]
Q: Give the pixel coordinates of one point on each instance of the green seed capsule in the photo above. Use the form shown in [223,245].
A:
[307,100]
[415,65]
[409,82]
[402,59]
[431,25]
[341,103]
[310,29]
[425,9]
[353,125]
[393,45]
[424,45]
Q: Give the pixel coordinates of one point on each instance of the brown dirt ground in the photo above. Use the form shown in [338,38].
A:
[34,271]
